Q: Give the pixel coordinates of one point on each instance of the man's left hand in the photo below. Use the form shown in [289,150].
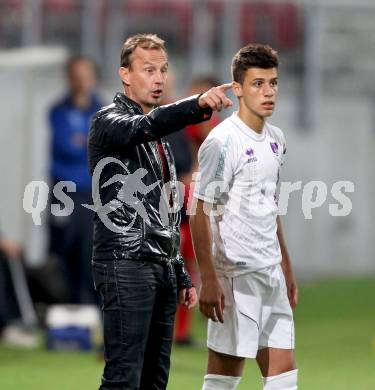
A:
[188,297]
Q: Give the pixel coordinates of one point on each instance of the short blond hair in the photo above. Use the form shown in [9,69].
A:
[145,41]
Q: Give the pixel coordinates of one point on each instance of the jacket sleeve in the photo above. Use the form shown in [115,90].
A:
[115,128]
[182,277]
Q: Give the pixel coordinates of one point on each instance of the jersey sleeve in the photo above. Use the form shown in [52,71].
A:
[215,169]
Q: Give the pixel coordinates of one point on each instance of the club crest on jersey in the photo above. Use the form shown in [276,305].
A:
[275,147]
[250,154]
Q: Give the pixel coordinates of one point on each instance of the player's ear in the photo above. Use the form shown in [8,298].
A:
[124,75]
[237,89]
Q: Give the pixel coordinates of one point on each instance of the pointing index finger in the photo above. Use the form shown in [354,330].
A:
[225,87]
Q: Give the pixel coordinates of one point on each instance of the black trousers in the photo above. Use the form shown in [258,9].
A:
[139,304]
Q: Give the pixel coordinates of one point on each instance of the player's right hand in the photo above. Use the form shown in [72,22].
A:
[212,300]
[215,98]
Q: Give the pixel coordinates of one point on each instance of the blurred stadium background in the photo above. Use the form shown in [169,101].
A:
[326,109]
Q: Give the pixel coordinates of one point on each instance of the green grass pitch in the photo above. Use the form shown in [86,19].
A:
[335,335]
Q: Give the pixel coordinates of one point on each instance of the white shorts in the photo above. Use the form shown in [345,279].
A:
[257,314]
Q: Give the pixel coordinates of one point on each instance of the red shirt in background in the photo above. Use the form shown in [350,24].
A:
[198,133]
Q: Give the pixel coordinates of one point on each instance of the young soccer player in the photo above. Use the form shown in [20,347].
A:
[248,286]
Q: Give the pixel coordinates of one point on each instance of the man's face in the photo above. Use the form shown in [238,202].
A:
[258,93]
[82,77]
[146,77]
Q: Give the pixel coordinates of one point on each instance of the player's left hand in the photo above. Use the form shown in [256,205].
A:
[292,288]
[188,297]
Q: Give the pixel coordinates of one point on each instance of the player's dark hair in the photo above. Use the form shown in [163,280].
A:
[253,56]
[145,41]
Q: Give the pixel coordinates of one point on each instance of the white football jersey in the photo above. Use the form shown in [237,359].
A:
[239,173]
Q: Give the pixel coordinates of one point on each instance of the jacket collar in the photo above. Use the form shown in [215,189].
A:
[126,103]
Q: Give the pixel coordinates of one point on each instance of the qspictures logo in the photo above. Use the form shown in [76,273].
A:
[131,189]
[131,192]
[130,185]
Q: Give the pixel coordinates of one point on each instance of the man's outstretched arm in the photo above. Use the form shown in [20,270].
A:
[113,127]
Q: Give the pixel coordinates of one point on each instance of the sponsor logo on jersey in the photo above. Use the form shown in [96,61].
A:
[250,153]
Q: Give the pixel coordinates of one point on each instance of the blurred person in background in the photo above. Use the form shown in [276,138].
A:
[248,286]
[71,236]
[12,330]
[137,267]
[182,150]
[198,133]
[185,147]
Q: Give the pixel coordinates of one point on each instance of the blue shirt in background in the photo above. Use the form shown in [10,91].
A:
[70,126]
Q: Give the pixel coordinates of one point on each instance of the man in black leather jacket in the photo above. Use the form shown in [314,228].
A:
[137,267]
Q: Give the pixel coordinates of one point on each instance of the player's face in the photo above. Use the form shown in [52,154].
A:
[258,93]
[146,77]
